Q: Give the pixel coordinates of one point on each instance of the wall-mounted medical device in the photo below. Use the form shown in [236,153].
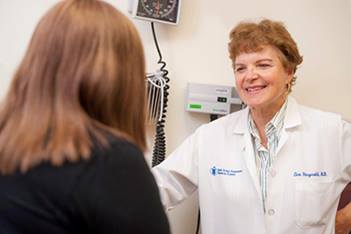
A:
[156,88]
[163,11]
[211,99]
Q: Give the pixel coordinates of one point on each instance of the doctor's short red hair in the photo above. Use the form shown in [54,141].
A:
[252,37]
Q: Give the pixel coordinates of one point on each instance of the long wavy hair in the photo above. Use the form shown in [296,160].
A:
[81,77]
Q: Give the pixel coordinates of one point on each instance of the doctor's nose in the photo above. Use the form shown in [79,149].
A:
[251,73]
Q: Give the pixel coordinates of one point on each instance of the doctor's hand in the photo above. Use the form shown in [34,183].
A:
[343,220]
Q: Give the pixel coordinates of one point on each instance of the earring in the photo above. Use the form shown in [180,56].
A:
[288,86]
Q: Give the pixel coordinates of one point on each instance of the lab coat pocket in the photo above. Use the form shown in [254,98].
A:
[312,202]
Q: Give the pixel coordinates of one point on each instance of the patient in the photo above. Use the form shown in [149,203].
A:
[72,129]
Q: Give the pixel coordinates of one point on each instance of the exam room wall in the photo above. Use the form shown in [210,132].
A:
[196,51]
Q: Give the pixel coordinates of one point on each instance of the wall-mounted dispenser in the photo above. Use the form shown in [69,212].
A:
[211,99]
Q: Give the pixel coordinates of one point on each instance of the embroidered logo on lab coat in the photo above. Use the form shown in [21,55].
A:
[310,174]
[221,171]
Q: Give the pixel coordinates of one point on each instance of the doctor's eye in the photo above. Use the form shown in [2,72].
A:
[239,69]
[264,65]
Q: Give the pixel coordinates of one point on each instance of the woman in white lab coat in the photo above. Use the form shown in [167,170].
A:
[275,167]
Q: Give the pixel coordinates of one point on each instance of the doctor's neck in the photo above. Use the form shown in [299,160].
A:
[262,115]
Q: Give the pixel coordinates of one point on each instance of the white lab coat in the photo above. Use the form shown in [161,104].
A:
[311,168]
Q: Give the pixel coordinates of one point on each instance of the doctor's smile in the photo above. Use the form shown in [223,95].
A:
[255,89]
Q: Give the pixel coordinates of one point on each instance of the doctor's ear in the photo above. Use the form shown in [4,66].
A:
[290,71]
[290,74]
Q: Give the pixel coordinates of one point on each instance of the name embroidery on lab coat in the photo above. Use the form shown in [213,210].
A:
[221,171]
[310,174]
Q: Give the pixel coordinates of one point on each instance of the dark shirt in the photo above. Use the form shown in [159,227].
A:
[112,192]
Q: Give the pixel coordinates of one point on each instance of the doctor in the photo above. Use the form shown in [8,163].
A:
[275,167]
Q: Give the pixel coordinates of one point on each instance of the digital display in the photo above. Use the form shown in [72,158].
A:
[221,99]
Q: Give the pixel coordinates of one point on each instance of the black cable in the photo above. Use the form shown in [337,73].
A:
[198,222]
[213,117]
[159,151]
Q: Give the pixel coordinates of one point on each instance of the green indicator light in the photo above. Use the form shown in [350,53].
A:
[195,106]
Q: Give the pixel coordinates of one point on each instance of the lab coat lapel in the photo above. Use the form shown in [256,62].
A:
[250,161]
[292,119]
[283,139]
[246,147]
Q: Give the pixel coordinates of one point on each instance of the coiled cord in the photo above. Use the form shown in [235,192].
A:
[159,151]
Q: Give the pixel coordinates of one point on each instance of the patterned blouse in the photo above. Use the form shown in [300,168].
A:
[265,157]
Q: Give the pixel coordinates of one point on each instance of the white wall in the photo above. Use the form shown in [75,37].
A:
[196,51]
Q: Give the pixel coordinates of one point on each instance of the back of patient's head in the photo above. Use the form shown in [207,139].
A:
[81,77]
